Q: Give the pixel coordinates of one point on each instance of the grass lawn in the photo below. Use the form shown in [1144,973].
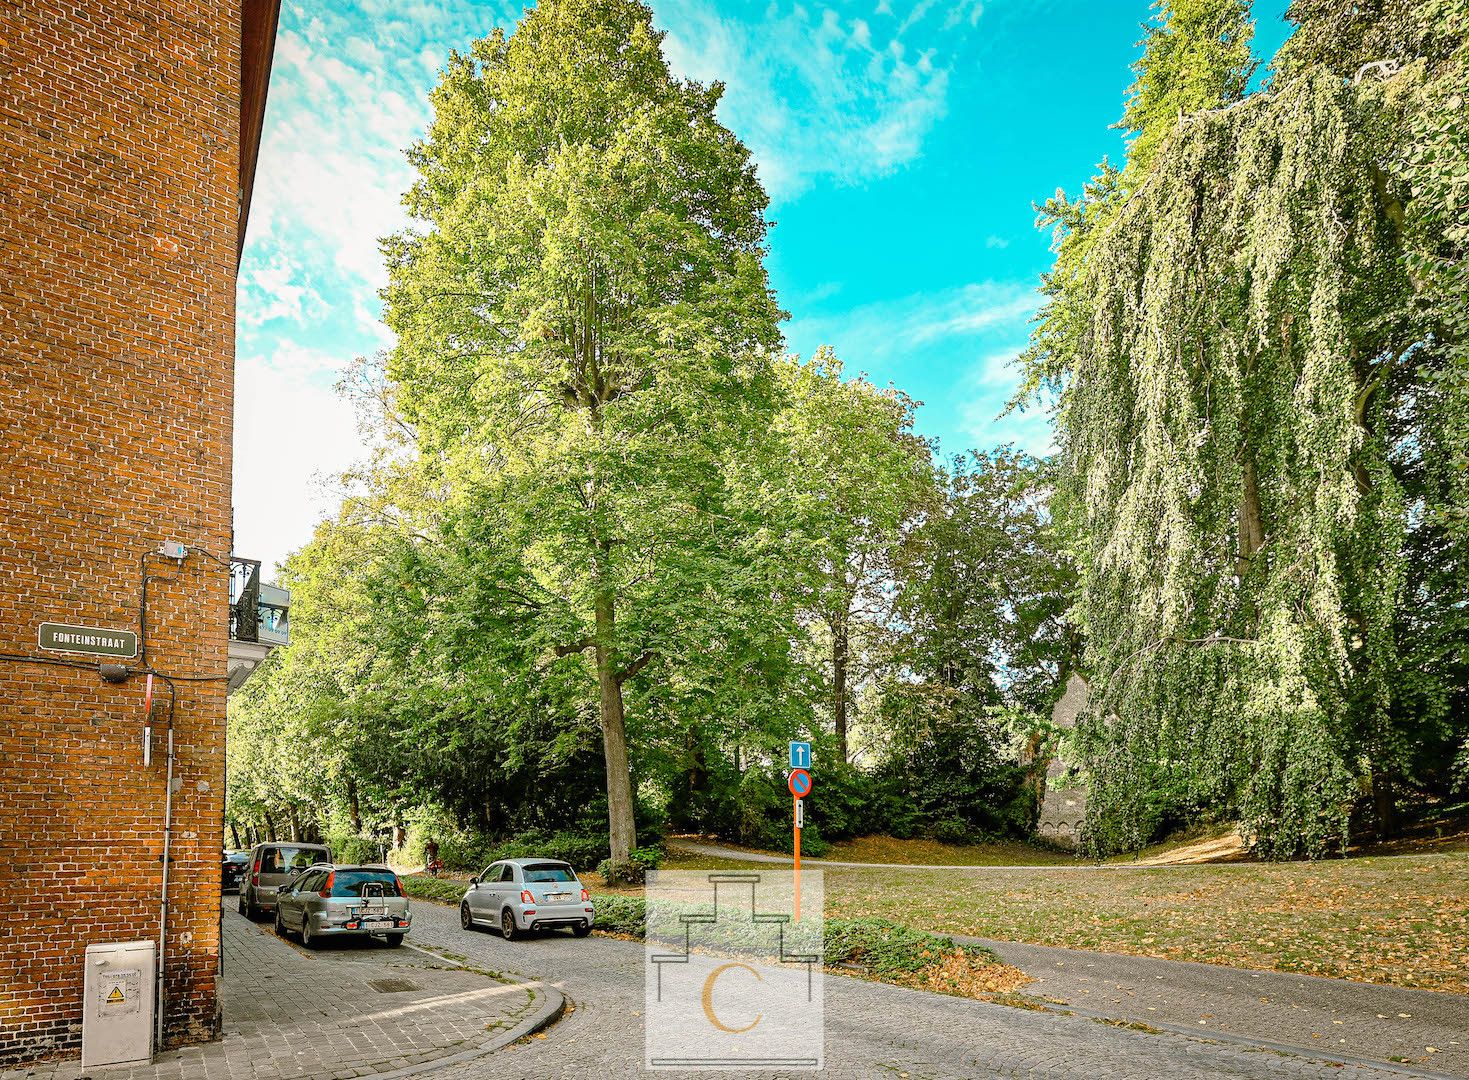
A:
[1403,921]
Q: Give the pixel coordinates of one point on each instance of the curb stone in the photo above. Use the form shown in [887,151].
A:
[552,1006]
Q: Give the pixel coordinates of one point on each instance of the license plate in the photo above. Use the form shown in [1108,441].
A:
[371,910]
[553,897]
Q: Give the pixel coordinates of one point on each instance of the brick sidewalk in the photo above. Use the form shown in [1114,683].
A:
[349,1009]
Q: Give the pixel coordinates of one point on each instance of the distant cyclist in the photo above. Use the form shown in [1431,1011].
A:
[433,865]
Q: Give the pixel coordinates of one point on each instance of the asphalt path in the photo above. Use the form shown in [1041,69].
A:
[871,1029]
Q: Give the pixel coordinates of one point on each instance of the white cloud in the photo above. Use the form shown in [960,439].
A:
[986,391]
[273,291]
[821,95]
[292,432]
[888,331]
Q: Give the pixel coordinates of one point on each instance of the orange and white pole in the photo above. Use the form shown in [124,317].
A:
[796,819]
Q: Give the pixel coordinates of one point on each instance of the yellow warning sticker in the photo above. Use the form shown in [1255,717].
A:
[116,997]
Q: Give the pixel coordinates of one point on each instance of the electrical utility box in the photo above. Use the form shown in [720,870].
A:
[117,1010]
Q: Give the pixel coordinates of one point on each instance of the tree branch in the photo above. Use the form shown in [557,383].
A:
[635,667]
[575,647]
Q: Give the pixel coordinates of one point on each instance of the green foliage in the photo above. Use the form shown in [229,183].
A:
[634,870]
[620,914]
[1196,56]
[442,890]
[356,849]
[583,337]
[889,949]
[1246,369]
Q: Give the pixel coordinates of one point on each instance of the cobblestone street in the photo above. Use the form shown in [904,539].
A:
[348,1009]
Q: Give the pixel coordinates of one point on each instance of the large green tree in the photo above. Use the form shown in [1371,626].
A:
[859,480]
[585,333]
[1243,341]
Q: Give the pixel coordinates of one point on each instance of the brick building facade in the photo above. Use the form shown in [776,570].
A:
[127,144]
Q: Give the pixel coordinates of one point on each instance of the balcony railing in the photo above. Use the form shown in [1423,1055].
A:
[258,612]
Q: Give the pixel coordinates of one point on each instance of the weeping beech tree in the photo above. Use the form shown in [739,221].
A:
[1242,347]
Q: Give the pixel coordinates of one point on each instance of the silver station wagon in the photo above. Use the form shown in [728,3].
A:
[338,901]
[516,895]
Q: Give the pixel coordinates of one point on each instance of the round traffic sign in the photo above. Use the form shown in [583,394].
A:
[799,783]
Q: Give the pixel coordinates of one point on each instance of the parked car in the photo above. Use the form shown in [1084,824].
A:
[232,870]
[336,901]
[271,866]
[527,894]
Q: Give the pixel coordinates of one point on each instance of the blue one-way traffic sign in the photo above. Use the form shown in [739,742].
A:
[800,755]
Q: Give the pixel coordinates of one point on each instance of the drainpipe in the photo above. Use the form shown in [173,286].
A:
[163,896]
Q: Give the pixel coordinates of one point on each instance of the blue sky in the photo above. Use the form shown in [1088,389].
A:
[903,143]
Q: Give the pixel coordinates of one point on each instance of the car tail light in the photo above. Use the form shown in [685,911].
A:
[526,897]
[585,897]
[255,873]
[326,889]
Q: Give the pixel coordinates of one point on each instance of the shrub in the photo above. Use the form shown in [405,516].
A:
[620,914]
[844,803]
[582,852]
[635,870]
[356,849]
[951,831]
[443,890]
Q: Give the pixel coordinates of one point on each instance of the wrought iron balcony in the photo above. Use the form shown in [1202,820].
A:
[259,613]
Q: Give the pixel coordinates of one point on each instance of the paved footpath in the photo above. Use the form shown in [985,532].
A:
[872,1030]
[1383,1023]
[346,1009]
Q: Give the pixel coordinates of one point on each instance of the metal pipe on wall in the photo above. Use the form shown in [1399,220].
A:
[159,997]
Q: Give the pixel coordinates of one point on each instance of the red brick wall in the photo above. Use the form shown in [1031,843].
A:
[119,132]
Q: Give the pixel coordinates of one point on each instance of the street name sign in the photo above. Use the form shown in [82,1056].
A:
[92,640]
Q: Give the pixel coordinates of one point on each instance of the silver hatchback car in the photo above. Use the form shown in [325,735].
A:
[335,901]
[527,894]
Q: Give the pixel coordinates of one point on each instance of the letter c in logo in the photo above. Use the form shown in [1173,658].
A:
[708,999]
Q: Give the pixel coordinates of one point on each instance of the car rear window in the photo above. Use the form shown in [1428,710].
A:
[549,871]
[366,883]
[289,860]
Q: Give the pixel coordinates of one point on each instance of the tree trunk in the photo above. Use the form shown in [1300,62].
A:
[354,807]
[1251,525]
[235,833]
[269,827]
[1385,805]
[621,828]
[839,662]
